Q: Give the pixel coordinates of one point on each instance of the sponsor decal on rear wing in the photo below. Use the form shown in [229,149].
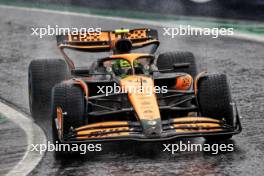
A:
[105,40]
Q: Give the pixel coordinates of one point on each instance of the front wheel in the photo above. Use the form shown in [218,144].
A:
[214,99]
[70,98]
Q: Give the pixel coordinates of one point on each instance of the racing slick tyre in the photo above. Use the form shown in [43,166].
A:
[168,59]
[215,100]
[42,76]
[70,99]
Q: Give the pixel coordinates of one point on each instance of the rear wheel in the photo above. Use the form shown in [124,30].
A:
[42,76]
[215,100]
[168,59]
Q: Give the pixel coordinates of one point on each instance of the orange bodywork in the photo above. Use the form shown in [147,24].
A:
[106,36]
[95,136]
[144,102]
[95,131]
[60,121]
[199,76]
[104,41]
[196,124]
[103,125]
[78,41]
[196,119]
[119,128]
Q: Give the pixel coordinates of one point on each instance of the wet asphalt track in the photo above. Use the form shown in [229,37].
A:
[242,60]
[13,145]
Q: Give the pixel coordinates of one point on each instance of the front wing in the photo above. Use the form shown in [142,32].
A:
[173,128]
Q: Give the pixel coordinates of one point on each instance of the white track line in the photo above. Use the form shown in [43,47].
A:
[34,135]
[250,37]
[239,35]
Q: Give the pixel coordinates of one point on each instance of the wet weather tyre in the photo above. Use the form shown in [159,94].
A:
[168,59]
[70,99]
[214,99]
[42,76]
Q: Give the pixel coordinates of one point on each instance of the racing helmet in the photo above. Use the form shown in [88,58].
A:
[122,68]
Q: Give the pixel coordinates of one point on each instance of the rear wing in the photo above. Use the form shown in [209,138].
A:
[105,40]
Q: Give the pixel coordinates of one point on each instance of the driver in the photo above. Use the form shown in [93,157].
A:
[121,68]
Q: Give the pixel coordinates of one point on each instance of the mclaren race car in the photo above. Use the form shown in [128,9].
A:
[106,101]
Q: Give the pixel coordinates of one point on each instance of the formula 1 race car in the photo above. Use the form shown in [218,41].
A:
[130,96]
